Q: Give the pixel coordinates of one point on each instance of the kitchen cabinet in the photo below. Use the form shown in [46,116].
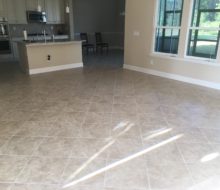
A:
[3,11]
[55,11]
[32,5]
[16,11]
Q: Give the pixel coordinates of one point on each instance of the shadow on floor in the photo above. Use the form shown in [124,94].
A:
[113,59]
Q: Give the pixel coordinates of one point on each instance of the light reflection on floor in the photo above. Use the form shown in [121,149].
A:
[122,161]
[210,157]
[126,127]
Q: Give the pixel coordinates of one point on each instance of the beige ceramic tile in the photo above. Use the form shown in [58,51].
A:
[124,108]
[16,115]
[20,146]
[76,106]
[130,174]
[126,130]
[97,117]
[95,130]
[42,170]
[154,119]
[55,147]
[9,128]
[81,172]
[126,117]
[68,118]
[3,140]
[90,147]
[165,154]
[33,187]
[53,107]
[204,172]
[124,100]
[35,129]
[10,167]
[194,152]
[124,147]
[103,99]
[189,135]
[140,115]
[213,135]
[148,108]
[169,177]
[100,107]
[5,186]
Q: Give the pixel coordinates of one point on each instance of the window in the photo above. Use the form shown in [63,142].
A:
[168,26]
[204,32]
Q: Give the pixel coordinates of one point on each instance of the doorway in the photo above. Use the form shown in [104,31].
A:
[106,17]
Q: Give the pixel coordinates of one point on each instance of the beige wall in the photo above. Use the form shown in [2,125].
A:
[138,49]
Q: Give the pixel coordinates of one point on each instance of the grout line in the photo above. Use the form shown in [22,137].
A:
[142,143]
[185,163]
[28,160]
[146,162]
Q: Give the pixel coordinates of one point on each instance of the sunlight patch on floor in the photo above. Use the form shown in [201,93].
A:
[122,161]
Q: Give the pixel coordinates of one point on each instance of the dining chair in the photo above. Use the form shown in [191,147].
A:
[85,43]
[100,45]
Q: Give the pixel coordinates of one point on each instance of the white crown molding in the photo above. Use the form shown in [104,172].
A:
[174,77]
[55,68]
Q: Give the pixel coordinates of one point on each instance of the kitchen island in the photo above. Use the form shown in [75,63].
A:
[41,57]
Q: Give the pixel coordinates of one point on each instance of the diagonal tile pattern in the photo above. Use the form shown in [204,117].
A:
[107,128]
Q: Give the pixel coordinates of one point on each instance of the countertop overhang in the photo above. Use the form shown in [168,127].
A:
[50,43]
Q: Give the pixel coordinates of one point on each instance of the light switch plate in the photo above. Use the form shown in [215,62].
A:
[136,33]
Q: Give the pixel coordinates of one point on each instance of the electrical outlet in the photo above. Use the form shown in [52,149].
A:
[48,57]
[152,62]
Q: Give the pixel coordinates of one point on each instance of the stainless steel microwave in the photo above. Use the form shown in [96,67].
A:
[36,17]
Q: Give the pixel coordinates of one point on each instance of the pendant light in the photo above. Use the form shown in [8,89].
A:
[67,8]
[39,9]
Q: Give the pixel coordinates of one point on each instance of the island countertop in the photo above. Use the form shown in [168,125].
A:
[39,57]
[49,43]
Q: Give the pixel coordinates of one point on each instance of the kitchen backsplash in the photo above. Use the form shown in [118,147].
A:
[16,30]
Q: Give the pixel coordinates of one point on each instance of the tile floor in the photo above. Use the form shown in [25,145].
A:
[107,129]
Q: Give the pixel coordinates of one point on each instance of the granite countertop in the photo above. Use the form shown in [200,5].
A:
[40,38]
[49,43]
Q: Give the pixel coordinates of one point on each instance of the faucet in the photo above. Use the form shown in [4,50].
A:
[45,37]
[52,33]
[43,29]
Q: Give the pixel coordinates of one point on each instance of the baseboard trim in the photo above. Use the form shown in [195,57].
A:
[55,68]
[116,48]
[174,77]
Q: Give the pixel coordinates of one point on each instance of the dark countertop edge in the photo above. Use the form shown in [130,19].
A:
[60,42]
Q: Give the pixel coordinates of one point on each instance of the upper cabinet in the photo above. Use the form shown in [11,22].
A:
[3,10]
[55,11]
[16,11]
[32,5]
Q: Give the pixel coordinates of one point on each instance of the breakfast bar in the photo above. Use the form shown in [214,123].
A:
[41,57]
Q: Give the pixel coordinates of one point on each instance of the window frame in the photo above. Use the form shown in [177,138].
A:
[156,27]
[182,55]
[190,27]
